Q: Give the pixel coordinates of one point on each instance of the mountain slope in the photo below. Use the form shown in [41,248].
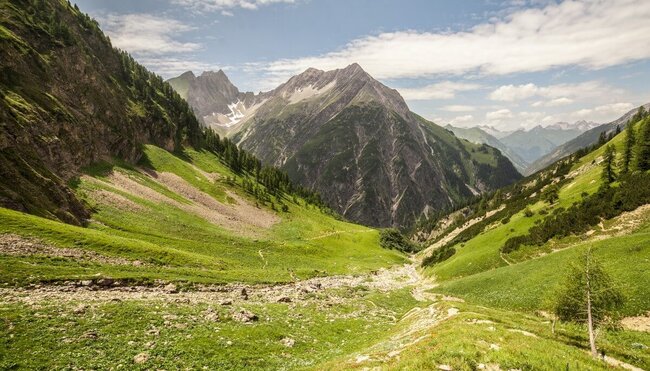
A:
[584,140]
[69,99]
[356,142]
[480,136]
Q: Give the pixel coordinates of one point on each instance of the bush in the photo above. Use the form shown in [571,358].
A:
[392,239]
[439,255]
[528,213]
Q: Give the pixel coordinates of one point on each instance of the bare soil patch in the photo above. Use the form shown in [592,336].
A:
[12,244]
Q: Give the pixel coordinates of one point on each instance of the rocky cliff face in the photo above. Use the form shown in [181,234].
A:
[69,99]
[356,142]
[215,100]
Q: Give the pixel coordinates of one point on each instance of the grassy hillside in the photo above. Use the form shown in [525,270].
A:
[163,215]
[69,99]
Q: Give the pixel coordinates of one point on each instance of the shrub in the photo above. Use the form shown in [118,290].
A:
[392,239]
[529,213]
[438,256]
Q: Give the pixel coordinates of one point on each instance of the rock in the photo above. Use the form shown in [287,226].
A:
[105,282]
[141,358]
[245,316]
[90,335]
[445,367]
[80,309]
[86,283]
[211,315]
[171,288]
[284,299]
[153,332]
[288,342]
[244,294]
[226,302]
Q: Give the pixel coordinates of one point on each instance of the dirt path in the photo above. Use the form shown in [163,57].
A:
[383,280]
[333,233]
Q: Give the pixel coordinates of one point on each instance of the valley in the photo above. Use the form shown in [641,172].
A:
[151,223]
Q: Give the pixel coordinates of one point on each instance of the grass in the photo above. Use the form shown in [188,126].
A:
[479,335]
[187,339]
[528,285]
[179,245]
[482,253]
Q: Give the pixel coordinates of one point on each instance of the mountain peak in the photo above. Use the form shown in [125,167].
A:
[188,74]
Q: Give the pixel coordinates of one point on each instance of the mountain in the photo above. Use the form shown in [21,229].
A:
[494,131]
[356,142]
[69,99]
[215,100]
[584,140]
[536,142]
[480,136]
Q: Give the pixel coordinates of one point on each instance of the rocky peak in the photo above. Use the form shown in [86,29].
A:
[188,75]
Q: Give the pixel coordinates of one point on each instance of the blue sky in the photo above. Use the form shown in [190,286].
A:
[505,63]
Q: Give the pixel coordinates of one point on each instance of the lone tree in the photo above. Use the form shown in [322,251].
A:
[609,159]
[588,296]
[628,149]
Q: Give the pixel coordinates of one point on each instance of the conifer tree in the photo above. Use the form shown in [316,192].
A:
[588,296]
[643,147]
[609,159]
[628,149]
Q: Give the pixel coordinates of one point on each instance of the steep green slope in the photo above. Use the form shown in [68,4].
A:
[523,278]
[188,219]
[68,99]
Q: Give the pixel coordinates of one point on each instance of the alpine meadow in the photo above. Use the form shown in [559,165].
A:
[324,185]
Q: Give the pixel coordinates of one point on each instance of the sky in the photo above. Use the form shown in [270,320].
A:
[509,64]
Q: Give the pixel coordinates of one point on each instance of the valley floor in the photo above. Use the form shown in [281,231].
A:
[388,319]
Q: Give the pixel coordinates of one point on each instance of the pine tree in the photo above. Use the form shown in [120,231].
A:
[609,158]
[588,296]
[643,147]
[628,149]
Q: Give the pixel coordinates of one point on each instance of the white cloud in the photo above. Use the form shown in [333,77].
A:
[589,34]
[441,90]
[511,93]
[603,113]
[499,115]
[220,5]
[558,95]
[171,66]
[458,108]
[227,13]
[563,101]
[147,34]
[460,120]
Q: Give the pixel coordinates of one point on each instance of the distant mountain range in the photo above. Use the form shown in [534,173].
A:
[479,135]
[523,147]
[583,140]
[353,139]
